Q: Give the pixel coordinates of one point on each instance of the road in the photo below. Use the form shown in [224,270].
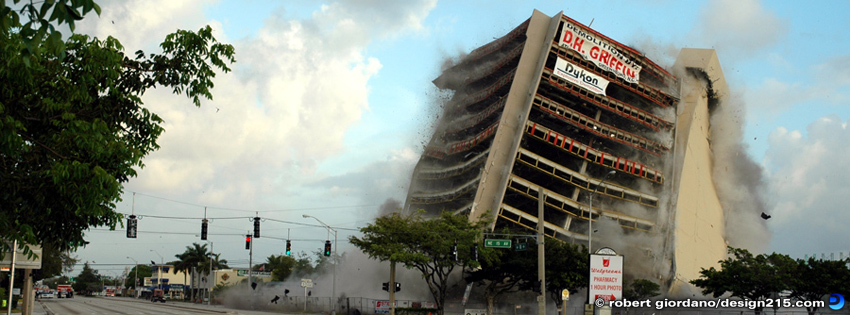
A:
[118,305]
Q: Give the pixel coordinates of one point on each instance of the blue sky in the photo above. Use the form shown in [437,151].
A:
[330,102]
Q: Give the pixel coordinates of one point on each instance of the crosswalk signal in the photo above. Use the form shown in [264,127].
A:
[397,286]
[386,287]
[204,229]
[131,226]
[248,241]
[257,227]
[288,247]
[327,248]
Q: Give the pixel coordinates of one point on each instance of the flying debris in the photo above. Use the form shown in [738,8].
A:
[765,216]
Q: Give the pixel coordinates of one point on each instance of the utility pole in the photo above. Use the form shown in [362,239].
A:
[391,288]
[541,254]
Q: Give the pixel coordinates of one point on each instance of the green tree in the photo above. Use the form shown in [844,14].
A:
[566,267]
[191,260]
[500,273]
[816,278]
[87,281]
[214,260]
[73,128]
[641,289]
[54,262]
[280,266]
[38,30]
[748,277]
[131,281]
[425,245]
[303,265]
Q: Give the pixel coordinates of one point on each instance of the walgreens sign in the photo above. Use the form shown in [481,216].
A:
[606,277]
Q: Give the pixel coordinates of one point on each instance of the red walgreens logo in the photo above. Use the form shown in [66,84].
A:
[606,262]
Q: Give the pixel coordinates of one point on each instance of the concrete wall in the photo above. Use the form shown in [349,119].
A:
[698,231]
[494,177]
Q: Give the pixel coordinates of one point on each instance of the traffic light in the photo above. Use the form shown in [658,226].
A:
[327,248]
[386,287]
[204,229]
[288,247]
[475,252]
[397,286]
[454,251]
[248,241]
[131,226]
[257,227]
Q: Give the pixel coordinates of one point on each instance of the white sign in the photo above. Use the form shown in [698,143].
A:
[606,277]
[474,311]
[578,76]
[21,260]
[306,283]
[599,51]
[382,306]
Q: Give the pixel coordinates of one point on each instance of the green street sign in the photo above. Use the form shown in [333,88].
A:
[521,247]
[497,243]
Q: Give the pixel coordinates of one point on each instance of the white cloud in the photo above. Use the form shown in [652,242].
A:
[773,97]
[296,89]
[809,187]
[739,28]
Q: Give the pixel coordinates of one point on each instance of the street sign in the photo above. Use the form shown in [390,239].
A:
[497,243]
[475,311]
[520,247]
[306,283]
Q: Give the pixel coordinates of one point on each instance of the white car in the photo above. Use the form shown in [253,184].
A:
[47,295]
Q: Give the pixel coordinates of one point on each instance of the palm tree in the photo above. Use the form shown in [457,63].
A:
[190,259]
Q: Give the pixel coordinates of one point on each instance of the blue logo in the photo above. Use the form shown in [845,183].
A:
[836,301]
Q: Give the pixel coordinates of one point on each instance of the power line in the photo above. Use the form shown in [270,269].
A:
[232,218]
[248,210]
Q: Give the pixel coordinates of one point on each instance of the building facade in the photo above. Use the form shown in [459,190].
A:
[558,112]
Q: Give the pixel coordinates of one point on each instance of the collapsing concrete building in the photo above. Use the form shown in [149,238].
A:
[557,107]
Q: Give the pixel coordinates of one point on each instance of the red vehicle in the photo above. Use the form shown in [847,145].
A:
[110,292]
[158,296]
[64,291]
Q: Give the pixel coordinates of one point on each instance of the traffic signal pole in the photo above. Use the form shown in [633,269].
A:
[391,288]
[250,261]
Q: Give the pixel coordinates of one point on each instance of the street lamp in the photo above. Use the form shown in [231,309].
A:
[335,257]
[136,281]
[159,269]
[590,213]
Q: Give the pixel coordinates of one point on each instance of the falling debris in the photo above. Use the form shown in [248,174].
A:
[765,216]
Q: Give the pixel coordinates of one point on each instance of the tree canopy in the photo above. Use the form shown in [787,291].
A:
[758,277]
[424,244]
[73,128]
[87,281]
